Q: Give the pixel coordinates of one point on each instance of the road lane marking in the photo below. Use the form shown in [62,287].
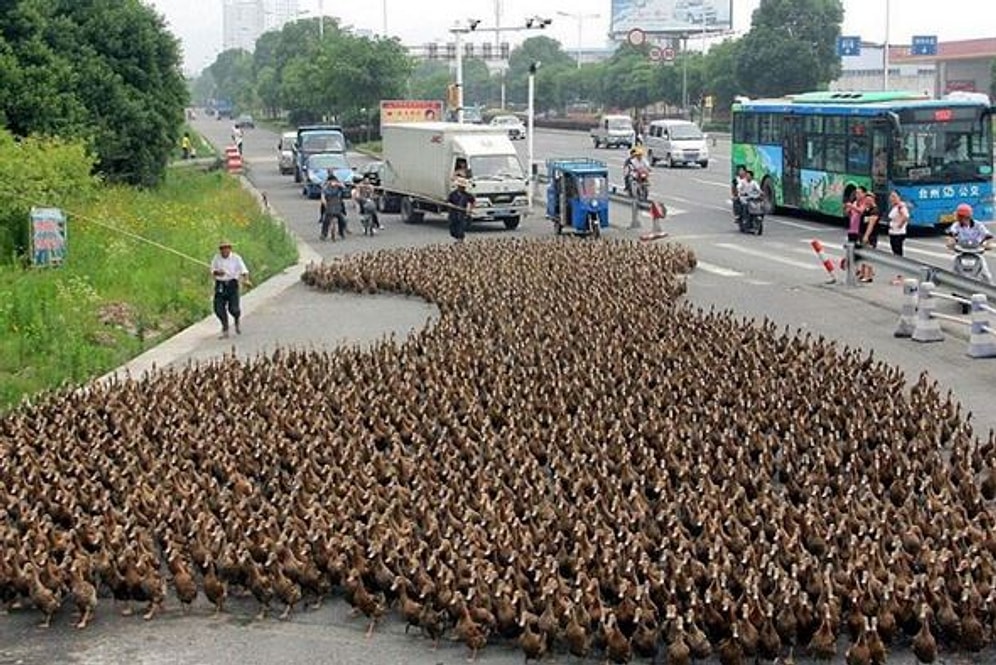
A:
[937,255]
[724,185]
[717,270]
[768,256]
[797,225]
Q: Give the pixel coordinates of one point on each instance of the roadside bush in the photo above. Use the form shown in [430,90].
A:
[41,172]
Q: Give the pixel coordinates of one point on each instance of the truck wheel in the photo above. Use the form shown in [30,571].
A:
[408,213]
[650,156]
[704,163]
[511,223]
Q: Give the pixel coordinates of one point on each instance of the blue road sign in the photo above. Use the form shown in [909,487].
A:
[848,46]
[924,45]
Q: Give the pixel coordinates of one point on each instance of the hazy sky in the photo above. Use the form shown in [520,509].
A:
[198,22]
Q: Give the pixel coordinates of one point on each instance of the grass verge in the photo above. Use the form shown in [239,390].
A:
[116,296]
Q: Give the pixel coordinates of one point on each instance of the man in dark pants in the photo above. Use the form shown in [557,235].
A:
[461,202]
[228,270]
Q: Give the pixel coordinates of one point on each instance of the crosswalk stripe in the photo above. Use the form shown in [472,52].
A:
[717,270]
[769,256]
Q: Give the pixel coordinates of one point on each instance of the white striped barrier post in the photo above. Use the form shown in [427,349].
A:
[982,337]
[907,315]
[927,327]
[826,261]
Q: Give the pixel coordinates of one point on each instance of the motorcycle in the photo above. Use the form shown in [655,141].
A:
[968,260]
[639,184]
[751,219]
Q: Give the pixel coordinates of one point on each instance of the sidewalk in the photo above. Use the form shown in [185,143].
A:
[283,312]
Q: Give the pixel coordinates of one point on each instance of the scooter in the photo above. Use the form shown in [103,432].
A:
[968,260]
[751,218]
[639,185]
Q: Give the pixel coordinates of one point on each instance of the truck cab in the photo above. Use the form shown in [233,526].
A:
[314,139]
[614,131]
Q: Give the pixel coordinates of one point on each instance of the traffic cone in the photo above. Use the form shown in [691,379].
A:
[825,260]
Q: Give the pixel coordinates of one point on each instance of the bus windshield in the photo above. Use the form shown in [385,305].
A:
[943,152]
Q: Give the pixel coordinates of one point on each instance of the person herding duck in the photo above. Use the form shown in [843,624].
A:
[229,272]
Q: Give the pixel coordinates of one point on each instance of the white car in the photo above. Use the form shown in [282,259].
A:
[516,130]
[285,152]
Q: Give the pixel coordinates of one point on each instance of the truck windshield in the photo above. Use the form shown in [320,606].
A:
[943,152]
[621,124]
[323,142]
[496,166]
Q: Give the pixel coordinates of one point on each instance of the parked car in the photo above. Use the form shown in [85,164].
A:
[516,130]
[316,170]
[245,122]
[285,152]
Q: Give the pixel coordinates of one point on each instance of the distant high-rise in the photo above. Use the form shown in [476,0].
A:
[243,22]
[280,12]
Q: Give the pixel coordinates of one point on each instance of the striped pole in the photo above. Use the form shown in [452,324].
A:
[824,259]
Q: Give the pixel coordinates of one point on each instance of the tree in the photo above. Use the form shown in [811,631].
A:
[791,47]
[720,77]
[103,70]
[545,50]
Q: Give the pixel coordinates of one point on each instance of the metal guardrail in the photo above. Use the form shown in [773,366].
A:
[926,272]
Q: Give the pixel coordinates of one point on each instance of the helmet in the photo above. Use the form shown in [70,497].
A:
[634,151]
[963,210]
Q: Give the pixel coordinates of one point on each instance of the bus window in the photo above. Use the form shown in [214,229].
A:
[813,124]
[814,153]
[835,124]
[835,148]
[953,150]
[858,149]
[745,128]
[771,129]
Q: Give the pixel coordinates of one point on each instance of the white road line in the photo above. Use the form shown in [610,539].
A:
[724,185]
[717,270]
[936,255]
[769,256]
[797,225]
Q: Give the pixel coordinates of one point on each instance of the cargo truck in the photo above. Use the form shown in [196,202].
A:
[421,160]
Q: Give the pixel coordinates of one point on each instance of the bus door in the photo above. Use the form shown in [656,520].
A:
[882,132]
[792,152]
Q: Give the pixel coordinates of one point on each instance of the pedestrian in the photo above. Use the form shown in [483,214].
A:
[854,211]
[870,217]
[333,207]
[461,203]
[363,195]
[229,271]
[237,138]
[899,219]
[186,146]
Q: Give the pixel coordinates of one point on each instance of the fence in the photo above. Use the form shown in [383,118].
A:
[920,321]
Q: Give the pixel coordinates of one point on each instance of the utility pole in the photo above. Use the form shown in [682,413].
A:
[529,128]
[885,50]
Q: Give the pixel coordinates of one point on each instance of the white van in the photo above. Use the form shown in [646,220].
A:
[676,142]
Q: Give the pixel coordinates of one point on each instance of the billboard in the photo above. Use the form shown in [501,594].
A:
[410,110]
[48,236]
[670,16]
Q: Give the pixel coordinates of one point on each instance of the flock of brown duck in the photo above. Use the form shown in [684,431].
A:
[570,458]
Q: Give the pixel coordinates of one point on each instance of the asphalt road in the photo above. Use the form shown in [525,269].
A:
[775,276]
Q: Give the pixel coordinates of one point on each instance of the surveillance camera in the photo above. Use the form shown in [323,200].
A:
[529,22]
[474,22]
[534,66]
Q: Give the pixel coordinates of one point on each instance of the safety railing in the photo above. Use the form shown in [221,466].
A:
[920,321]
[926,273]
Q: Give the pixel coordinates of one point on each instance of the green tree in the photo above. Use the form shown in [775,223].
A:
[429,79]
[103,70]
[234,77]
[791,47]
[545,50]
[720,76]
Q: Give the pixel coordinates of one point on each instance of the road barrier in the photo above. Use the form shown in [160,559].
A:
[920,321]
[233,159]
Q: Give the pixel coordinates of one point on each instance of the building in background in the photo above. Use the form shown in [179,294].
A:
[964,65]
[245,20]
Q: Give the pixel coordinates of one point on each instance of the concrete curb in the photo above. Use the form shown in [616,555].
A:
[188,339]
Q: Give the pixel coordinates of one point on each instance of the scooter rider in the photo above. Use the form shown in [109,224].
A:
[735,190]
[633,165]
[748,190]
[967,232]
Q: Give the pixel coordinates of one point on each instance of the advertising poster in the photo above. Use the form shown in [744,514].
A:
[670,16]
[410,110]
[48,236]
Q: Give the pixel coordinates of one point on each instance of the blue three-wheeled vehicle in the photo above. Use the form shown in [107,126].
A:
[577,196]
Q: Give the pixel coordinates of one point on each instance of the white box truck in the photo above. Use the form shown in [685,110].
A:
[421,158]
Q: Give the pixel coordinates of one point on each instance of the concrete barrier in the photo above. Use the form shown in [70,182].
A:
[927,320]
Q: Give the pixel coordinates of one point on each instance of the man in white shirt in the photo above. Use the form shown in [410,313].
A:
[228,270]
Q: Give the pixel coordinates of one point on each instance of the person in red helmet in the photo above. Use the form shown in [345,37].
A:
[967,232]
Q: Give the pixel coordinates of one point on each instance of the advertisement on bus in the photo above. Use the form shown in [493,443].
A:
[670,16]
[410,110]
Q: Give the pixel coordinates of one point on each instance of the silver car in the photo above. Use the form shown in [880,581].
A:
[285,153]
[514,126]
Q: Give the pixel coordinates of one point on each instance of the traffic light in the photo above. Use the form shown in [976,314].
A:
[433,50]
[537,22]
[503,51]
[486,50]
[468,50]
[450,50]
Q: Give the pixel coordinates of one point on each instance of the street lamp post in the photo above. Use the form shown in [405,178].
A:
[580,19]
[457,31]
[885,50]
[529,129]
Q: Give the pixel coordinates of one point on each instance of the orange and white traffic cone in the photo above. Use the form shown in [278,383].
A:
[825,260]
